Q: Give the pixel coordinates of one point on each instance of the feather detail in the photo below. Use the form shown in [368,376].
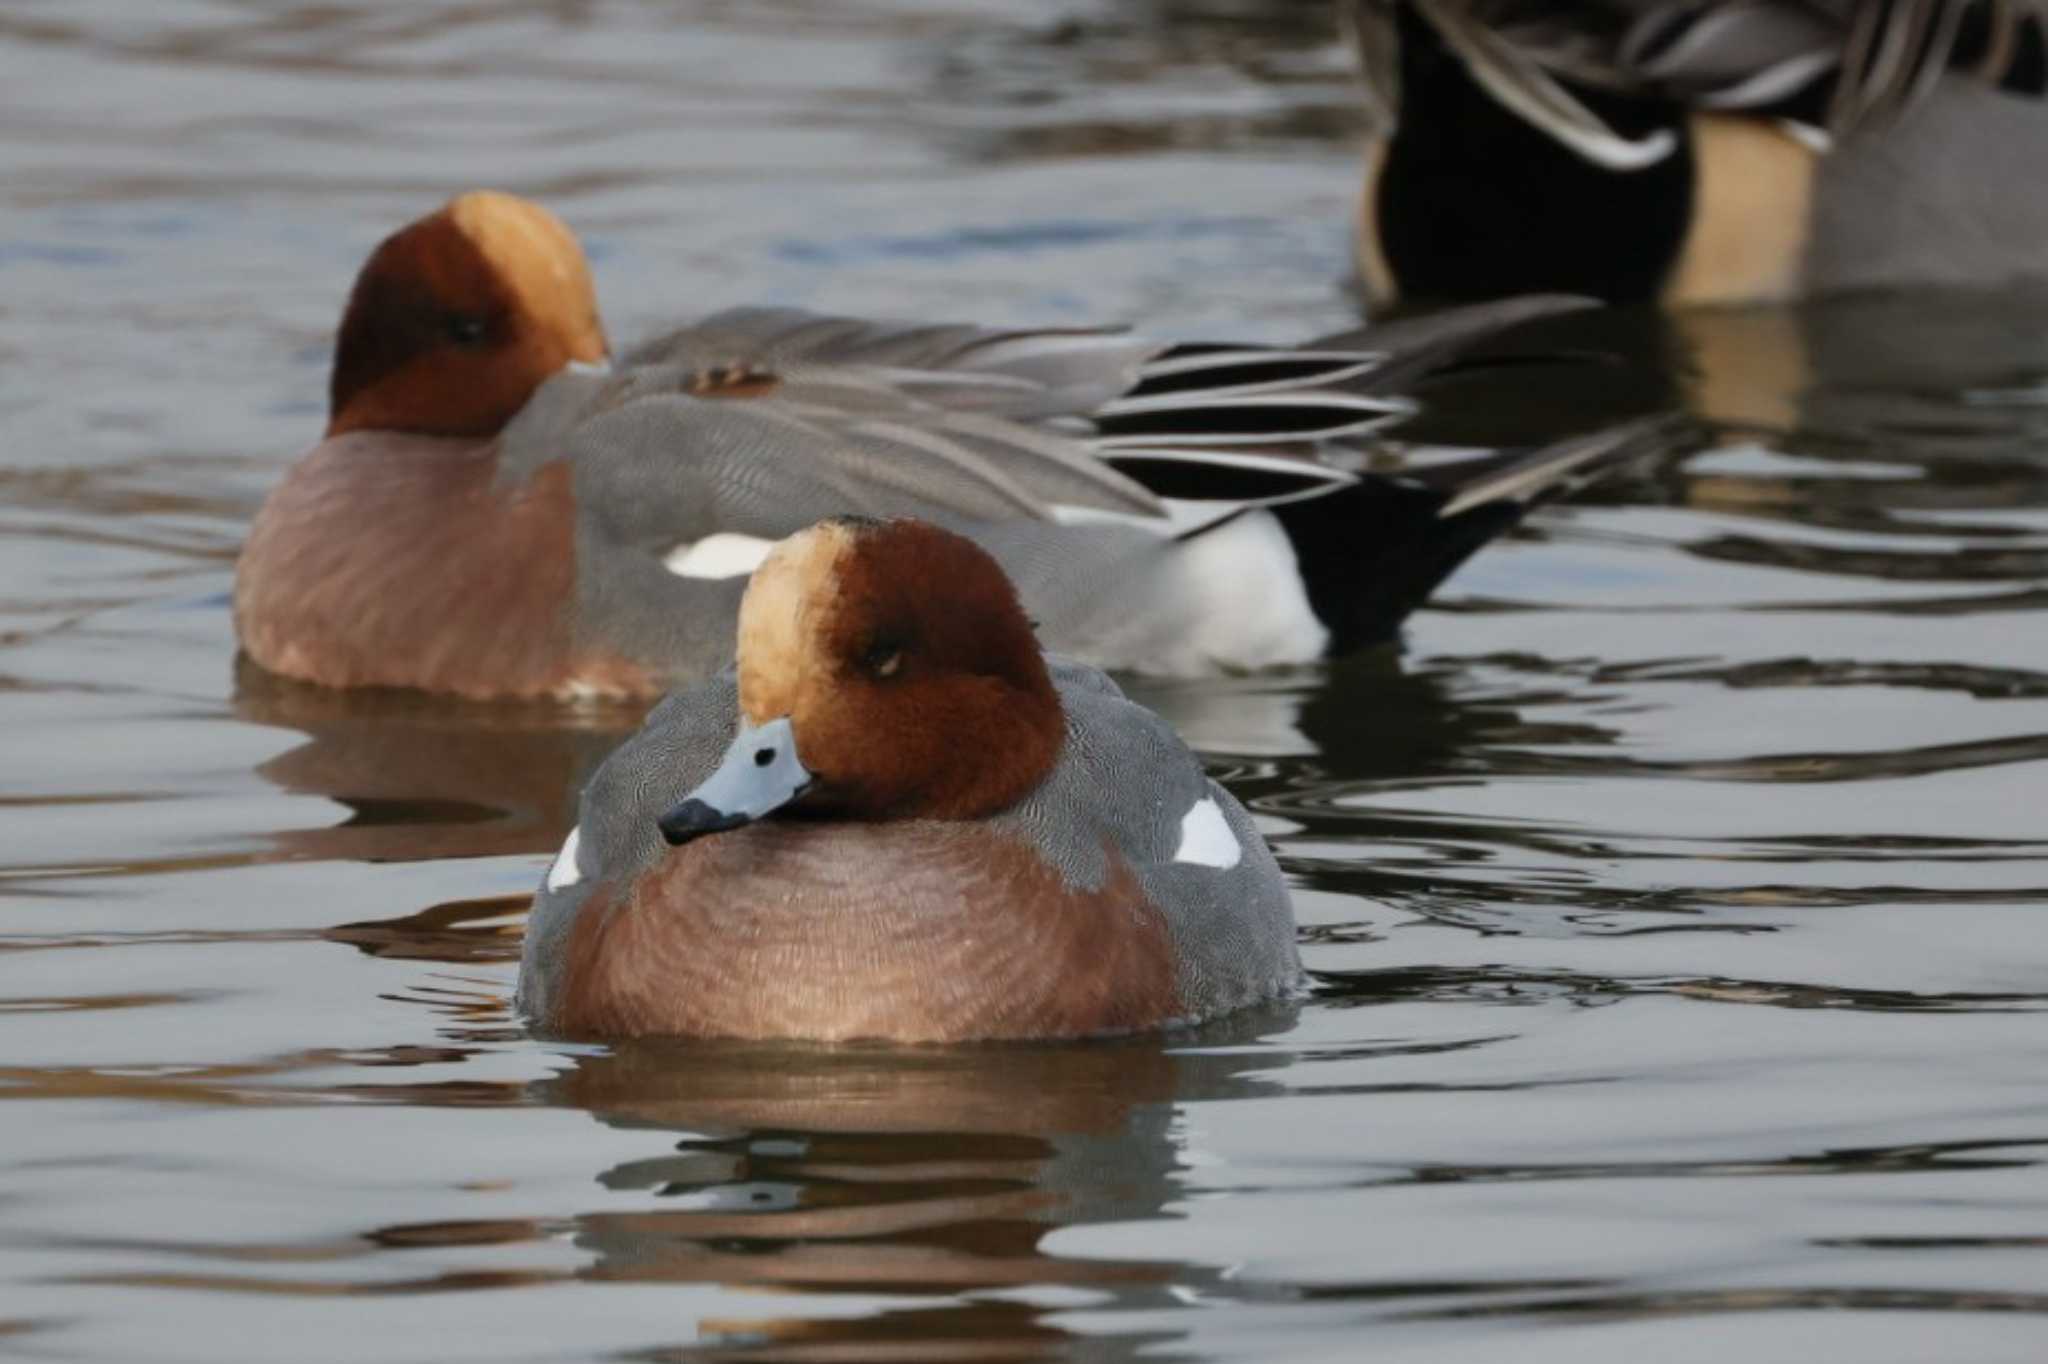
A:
[1242,370]
[1373,30]
[1523,87]
[1260,419]
[1838,66]
[1522,478]
[963,423]
[1240,478]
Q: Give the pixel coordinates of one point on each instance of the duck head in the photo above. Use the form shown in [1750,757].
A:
[886,671]
[457,318]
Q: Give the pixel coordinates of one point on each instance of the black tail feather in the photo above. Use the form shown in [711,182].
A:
[1371,553]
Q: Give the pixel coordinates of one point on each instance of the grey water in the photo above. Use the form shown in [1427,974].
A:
[1676,893]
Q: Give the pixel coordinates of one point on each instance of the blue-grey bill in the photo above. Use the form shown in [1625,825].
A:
[760,773]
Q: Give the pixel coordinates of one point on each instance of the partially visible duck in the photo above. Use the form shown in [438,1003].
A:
[896,818]
[1701,151]
[496,511]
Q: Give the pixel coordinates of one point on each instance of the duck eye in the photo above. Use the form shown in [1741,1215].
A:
[884,658]
[465,329]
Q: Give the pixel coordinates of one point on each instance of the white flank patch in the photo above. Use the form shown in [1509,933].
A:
[589,367]
[563,871]
[723,555]
[1248,605]
[1205,837]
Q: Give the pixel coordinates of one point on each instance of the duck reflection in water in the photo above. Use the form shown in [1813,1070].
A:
[906,1170]
[425,777]
[1865,414]
[1870,420]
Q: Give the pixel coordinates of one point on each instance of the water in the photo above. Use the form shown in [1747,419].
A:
[1676,895]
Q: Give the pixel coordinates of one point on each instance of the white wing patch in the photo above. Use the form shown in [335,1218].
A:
[1205,837]
[723,555]
[563,871]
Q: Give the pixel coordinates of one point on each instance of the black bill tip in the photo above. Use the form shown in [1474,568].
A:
[693,819]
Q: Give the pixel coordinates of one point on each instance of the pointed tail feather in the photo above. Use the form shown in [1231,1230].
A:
[1527,477]
[1414,346]
[1249,423]
[1262,419]
[1220,370]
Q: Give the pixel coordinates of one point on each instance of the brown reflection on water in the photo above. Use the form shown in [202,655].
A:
[902,1170]
[906,1170]
[976,1331]
[466,931]
[228,1085]
[822,1169]
[424,777]
[912,1169]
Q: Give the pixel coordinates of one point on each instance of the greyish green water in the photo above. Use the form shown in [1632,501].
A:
[1678,894]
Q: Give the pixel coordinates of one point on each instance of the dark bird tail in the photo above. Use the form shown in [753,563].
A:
[1372,552]
[1314,435]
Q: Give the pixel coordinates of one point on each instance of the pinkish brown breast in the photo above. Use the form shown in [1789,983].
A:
[914,931]
[388,560]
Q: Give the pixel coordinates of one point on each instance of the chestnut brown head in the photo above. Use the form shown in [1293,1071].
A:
[886,671]
[456,319]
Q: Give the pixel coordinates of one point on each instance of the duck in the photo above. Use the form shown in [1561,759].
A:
[1700,152]
[501,509]
[896,818]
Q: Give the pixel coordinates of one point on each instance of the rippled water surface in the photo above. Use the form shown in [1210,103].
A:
[1677,894]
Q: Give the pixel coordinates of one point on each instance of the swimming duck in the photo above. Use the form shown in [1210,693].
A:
[499,511]
[896,818]
[1701,151]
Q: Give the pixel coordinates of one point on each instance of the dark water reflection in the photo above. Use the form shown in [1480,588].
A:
[1674,896]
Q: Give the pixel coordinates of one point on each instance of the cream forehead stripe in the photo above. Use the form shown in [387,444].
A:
[794,582]
[522,238]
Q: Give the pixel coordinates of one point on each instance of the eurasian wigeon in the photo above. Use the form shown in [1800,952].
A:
[896,818]
[496,511]
[1701,151]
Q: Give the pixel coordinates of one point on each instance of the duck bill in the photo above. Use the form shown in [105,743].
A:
[760,773]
